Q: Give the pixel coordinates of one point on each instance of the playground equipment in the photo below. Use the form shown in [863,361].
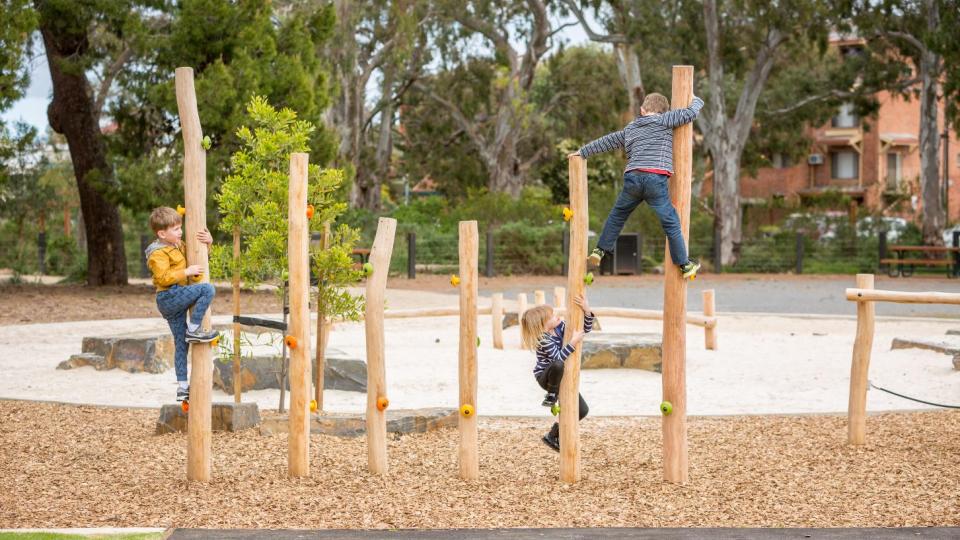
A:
[380,255]
[865,296]
[298,259]
[469,254]
[195,198]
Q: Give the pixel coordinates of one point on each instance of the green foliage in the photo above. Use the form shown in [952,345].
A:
[335,271]
[19,19]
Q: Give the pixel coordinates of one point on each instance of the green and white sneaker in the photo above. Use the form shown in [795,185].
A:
[593,261]
[689,270]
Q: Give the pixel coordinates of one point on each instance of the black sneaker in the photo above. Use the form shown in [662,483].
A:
[595,257]
[552,441]
[689,270]
[202,337]
[550,399]
[183,394]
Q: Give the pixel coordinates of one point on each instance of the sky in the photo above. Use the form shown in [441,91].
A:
[32,108]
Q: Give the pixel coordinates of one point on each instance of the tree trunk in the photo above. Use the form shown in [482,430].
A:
[71,113]
[726,203]
[933,215]
[628,64]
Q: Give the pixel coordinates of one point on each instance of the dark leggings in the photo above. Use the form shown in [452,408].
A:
[549,379]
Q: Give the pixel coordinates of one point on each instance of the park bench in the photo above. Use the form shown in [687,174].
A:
[909,257]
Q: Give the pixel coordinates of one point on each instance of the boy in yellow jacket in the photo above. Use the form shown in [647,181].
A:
[179,289]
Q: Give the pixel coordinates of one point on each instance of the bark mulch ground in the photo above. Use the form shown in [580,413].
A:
[83,466]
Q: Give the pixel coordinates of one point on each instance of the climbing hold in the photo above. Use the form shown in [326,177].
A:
[206,142]
[184,406]
[181,210]
[466,410]
[478,341]
[555,409]
[310,210]
[382,403]
[454,280]
[588,278]
[567,213]
[291,342]
[367,269]
[215,342]
[666,408]
[313,405]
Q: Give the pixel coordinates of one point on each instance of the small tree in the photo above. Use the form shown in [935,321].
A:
[253,203]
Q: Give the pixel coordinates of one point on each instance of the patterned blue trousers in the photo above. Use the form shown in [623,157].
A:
[173,304]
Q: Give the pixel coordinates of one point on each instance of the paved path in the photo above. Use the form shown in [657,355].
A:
[571,534]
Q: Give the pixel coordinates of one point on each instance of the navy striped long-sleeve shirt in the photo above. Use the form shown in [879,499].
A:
[648,140]
[551,346]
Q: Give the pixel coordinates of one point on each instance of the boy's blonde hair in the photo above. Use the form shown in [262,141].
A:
[164,217]
[656,103]
[533,325]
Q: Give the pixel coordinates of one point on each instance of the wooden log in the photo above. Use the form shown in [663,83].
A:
[323,331]
[431,312]
[376,371]
[497,320]
[675,293]
[469,254]
[195,199]
[577,268]
[237,384]
[861,294]
[644,314]
[539,298]
[559,297]
[709,310]
[860,365]
[298,259]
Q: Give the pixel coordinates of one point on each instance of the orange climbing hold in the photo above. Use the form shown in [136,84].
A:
[382,403]
[291,342]
[310,210]
[185,406]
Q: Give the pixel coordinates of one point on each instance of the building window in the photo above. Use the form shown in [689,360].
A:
[845,165]
[894,170]
[780,160]
[845,117]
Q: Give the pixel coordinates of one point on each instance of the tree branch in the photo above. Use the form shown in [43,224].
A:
[111,73]
[594,36]
[903,85]
[475,136]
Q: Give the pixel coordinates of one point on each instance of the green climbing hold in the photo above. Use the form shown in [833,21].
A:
[588,278]
[666,408]
[555,409]
[206,142]
[478,341]
[367,269]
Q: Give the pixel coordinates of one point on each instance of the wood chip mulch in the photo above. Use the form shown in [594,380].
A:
[80,466]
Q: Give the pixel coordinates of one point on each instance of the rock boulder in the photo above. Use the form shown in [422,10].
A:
[632,351]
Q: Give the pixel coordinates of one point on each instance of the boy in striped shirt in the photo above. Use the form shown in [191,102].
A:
[648,141]
[542,330]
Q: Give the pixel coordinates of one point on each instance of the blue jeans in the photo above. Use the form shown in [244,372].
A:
[654,189]
[173,304]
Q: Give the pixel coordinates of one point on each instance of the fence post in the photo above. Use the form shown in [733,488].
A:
[411,255]
[860,366]
[882,249]
[489,270]
[42,252]
[144,242]
[956,254]
[566,250]
[717,255]
[799,253]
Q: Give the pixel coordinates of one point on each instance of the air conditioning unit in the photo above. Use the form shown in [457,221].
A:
[815,159]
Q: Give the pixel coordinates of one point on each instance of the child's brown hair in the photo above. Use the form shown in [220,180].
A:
[656,103]
[164,217]
[533,325]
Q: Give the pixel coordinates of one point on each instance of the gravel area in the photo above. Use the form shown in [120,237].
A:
[82,466]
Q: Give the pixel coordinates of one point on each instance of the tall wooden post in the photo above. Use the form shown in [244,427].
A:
[860,367]
[577,265]
[298,257]
[496,312]
[195,199]
[539,298]
[559,297]
[237,383]
[709,310]
[675,293]
[469,253]
[323,330]
[376,371]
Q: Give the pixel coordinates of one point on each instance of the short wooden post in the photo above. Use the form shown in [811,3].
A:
[376,371]
[323,330]
[469,254]
[860,366]
[539,298]
[521,305]
[195,199]
[577,264]
[709,310]
[237,383]
[496,313]
[675,293]
[298,258]
[559,297]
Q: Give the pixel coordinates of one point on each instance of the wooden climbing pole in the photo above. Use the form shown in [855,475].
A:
[298,333]
[377,401]
[675,293]
[577,268]
[469,254]
[195,200]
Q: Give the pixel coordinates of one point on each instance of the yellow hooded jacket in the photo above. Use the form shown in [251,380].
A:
[168,265]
